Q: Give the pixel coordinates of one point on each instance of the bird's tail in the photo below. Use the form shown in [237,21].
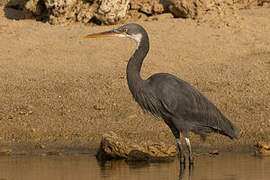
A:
[232,131]
[226,128]
[236,133]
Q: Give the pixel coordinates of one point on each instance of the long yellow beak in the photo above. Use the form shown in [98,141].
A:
[102,34]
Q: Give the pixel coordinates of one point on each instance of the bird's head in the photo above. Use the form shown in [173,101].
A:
[133,31]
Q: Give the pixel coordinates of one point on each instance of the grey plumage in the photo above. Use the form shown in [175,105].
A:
[176,101]
[180,105]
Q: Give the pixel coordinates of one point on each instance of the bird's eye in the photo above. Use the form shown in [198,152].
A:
[125,30]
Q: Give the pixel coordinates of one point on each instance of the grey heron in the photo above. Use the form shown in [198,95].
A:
[183,108]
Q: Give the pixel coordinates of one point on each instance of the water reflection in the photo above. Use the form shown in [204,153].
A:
[227,166]
[182,171]
[222,167]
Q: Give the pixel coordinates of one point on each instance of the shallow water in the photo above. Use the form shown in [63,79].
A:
[226,166]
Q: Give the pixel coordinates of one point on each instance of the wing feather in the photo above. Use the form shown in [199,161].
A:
[175,97]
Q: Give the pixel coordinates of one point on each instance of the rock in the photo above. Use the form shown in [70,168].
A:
[214,152]
[262,152]
[148,7]
[86,12]
[42,146]
[15,4]
[264,145]
[98,107]
[3,2]
[33,8]
[114,11]
[189,8]
[111,11]
[250,3]
[135,155]
[158,8]
[172,150]
[132,116]
[262,149]
[5,150]
[265,3]
[114,147]
[60,11]
[67,11]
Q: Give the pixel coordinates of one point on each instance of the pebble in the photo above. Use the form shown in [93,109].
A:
[214,152]
[42,146]
[98,107]
[5,150]
[132,116]
[262,149]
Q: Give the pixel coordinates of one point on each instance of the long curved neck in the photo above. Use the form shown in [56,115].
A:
[135,63]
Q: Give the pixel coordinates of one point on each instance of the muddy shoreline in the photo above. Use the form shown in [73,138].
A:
[61,93]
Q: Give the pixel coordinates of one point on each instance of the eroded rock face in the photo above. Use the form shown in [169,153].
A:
[148,7]
[115,11]
[66,11]
[198,8]
[17,4]
[34,8]
[60,11]
[115,147]
[249,3]
[189,8]
[111,11]
[262,149]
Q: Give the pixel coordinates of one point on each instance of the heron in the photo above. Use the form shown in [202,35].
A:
[182,107]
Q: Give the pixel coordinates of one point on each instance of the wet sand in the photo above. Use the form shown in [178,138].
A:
[60,92]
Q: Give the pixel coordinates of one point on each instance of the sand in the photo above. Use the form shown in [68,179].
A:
[59,91]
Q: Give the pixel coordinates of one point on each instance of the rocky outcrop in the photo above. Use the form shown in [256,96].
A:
[114,11]
[217,12]
[34,9]
[60,11]
[16,4]
[115,147]
[111,11]
[189,8]
[148,7]
[67,11]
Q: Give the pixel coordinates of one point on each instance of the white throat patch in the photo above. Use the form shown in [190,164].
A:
[137,38]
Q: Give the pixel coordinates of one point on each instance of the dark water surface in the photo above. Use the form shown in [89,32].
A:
[226,166]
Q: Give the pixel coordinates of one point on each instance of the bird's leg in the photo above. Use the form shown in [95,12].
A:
[181,153]
[189,151]
[176,134]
